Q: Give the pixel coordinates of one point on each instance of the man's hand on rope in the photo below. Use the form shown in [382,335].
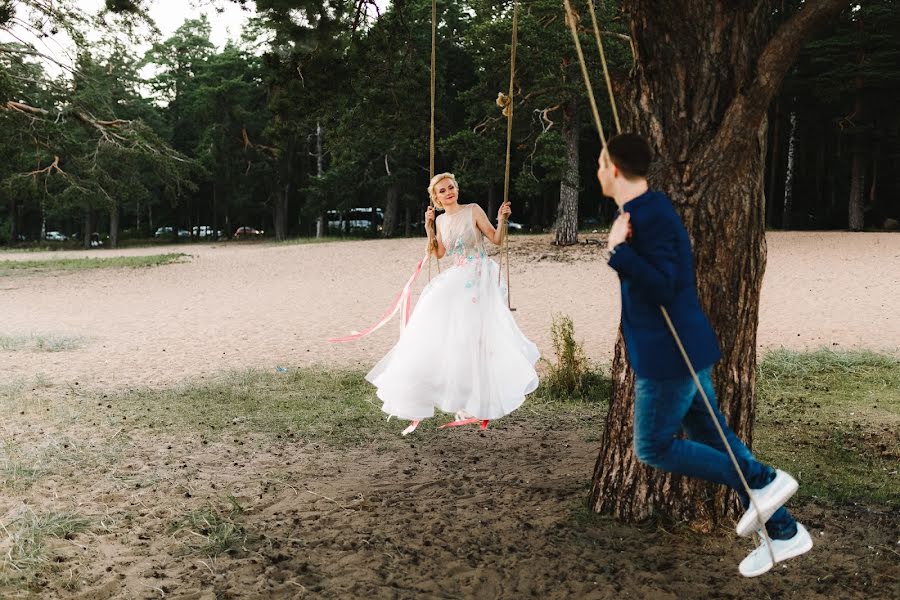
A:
[620,231]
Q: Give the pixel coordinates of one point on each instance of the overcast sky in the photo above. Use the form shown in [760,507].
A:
[168,16]
[226,23]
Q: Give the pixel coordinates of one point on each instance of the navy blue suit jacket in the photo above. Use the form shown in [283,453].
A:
[656,267]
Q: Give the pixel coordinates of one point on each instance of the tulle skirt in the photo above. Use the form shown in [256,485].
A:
[460,351]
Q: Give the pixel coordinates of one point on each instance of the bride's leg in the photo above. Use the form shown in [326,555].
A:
[411,428]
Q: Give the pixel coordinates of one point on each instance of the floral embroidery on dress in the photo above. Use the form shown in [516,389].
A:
[465,243]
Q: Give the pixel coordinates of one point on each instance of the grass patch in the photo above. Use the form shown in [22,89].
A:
[212,531]
[832,419]
[337,407]
[52,265]
[325,240]
[40,342]
[17,476]
[24,547]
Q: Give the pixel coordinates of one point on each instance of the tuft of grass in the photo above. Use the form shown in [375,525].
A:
[212,531]
[53,265]
[832,419]
[40,342]
[17,476]
[24,547]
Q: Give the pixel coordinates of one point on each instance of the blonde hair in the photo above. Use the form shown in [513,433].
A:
[436,180]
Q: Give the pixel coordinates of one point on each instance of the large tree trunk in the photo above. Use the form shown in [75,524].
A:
[280,216]
[391,210]
[90,220]
[860,150]
[702,85]
[282,196]
[567,213]
[114,226]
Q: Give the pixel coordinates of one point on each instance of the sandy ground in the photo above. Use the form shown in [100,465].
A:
[451,515]
[266,305]
[455,514]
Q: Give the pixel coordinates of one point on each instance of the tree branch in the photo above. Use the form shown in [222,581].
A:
[54,166]
[749,108]
[248,144]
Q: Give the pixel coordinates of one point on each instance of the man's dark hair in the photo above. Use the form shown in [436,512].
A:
[631,154]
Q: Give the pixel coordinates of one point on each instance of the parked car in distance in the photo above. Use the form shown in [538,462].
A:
[244,232]
[356,219]
[167,232]
[55,236]
[204,231]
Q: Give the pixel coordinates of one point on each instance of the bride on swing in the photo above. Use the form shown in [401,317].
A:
[461,351]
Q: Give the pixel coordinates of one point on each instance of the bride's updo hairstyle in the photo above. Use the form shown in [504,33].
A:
[433,183]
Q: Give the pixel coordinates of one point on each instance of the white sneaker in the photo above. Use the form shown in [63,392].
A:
[759,561]
[769,499]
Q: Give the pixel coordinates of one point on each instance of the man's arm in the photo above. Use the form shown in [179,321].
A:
[650,265]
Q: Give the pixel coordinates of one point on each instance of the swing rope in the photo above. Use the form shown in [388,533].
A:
[432,245]
[508,111]
[571,20]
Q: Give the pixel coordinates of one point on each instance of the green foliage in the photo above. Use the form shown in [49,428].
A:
[229,135]
[572,376]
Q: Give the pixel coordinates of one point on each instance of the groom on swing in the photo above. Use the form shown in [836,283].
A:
[650,250]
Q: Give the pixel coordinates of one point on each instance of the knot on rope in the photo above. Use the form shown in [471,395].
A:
[504,102]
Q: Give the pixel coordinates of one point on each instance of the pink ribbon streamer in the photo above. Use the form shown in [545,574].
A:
[400,303]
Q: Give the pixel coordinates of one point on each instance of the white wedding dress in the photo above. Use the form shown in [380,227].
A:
[461,351]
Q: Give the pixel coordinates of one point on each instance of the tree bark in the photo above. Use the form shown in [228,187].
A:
[89,225]
[856,213]
[567,212]
[282,197]
[114,226]
[702,84]
[391,210]
[280,212]
[787,212]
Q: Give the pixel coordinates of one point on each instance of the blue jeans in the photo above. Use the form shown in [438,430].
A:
[662,407]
